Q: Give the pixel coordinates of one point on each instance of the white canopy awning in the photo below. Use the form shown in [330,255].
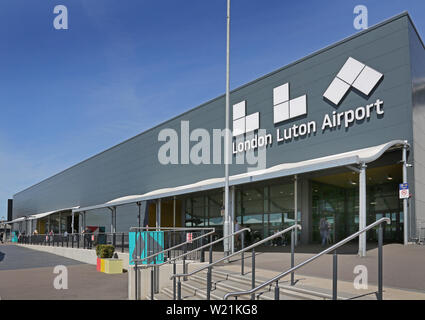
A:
[354,157]
[48,213]
[16,220]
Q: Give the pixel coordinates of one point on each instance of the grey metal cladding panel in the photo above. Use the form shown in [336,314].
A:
[417,56]
[133,168]
[388,54]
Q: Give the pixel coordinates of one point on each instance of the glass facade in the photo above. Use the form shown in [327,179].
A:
[339,204]
[263,208]
[268,206]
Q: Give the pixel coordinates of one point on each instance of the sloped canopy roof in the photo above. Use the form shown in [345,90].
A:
[40,215]
[48,213]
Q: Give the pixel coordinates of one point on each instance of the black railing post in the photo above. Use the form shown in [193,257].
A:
[122,242]
[211,250]
[62,240]
[202,250]
[114,239]
[48,237]
[210,255]
[184,261]
[335,276]
[292,256]
[72,240]
[380,262]
[276,291]
[78,241]
[243,253]
[253,274]
[209,283]
[174,280]
[179,290]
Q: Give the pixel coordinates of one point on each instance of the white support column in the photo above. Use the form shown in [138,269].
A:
[158,213]
[112,219]
[405,208]
[362,209]
[84,221]
[72,221]
[115,219]
[60,223]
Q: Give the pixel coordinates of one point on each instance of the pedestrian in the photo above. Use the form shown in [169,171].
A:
[87,236]
[329,238]
[324,230]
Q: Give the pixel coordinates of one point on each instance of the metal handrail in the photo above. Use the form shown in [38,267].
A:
[172,248]
[194,250]
[171,228]
[238,252]
[154,266]
[330,249]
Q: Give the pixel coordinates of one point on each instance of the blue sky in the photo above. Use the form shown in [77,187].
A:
[125,66]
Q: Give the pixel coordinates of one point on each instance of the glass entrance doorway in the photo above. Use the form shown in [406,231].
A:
[336,197]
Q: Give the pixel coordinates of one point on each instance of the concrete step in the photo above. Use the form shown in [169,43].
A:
[286,291]
[198,289]
[227,285]
[159,296]
[225,281]
[298,291]
[186,294]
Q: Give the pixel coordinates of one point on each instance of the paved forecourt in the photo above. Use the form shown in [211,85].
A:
[28,274]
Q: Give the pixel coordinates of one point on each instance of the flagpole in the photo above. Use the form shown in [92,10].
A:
[227,223]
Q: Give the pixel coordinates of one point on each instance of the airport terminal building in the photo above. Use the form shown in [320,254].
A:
[333,135]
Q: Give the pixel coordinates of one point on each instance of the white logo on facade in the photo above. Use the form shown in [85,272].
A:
[352,74]
[243,123]
[284,108]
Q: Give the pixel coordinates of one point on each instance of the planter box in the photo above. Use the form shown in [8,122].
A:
[102,265]
[112,266]
[98,264]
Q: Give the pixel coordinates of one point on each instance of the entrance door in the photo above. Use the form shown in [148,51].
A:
[394,231]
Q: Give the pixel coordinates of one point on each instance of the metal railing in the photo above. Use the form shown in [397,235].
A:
[119,240]
[197,238]
[240,252]
[335,265]
[208,245]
